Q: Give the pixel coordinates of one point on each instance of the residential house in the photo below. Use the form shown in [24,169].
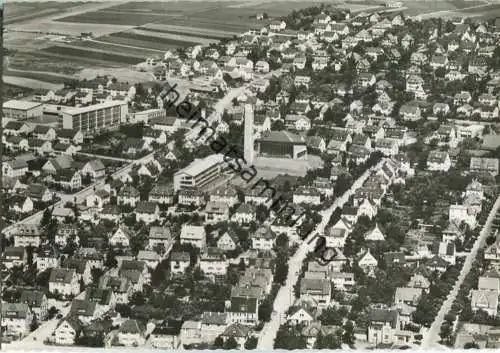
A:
[131,334]
[64,281]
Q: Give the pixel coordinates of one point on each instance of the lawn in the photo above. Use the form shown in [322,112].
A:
[85,54]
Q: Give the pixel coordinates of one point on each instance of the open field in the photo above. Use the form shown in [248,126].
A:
[115,18]
[113,39]
[142,41]
[170,6]
[94,56]
[422,7]
[182,38]
[39,61]
[17,12]
[193,31]
[115,48]
[70,29]
[485,12]
[30,83]
[45,77]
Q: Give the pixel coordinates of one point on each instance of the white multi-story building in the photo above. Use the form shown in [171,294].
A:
[95,118]
[199,173]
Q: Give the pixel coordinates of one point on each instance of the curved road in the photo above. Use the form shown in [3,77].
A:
[285,297]
[431,337]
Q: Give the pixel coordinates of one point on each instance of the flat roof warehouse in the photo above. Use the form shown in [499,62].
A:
[20,105]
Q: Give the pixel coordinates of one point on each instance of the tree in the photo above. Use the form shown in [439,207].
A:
[231,344]
[471,345]
[111,259]
[265,310]
[124,310]
[330,341]
[218,343]
[34,323]
[348,336]
[96,274]
[262,213]
[445,332]
[47,215]
[251,343]
[82,285]
[281,271]
[288,338]
[282,243]
[278,125]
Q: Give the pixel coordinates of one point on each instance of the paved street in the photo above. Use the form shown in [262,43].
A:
[431,337]
[35,339]
[285,297]
[80,195]
[218,110]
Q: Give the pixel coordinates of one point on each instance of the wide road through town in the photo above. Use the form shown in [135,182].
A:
[218,110]
[285,296]
[431,337]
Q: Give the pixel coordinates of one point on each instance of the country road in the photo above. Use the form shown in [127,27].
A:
[431,337]
[285,297]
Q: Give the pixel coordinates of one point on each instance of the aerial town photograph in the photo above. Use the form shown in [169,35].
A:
[250,174]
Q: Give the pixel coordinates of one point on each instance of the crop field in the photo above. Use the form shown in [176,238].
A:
[184,7]
[113,48]
[39,61]
[87,55]
[276,8]
[16,11]
[211,15]
[200,34]
[182,38]
[486,12]
[141,13]
[142,41]
[117,40]
[46,77]
[422,7]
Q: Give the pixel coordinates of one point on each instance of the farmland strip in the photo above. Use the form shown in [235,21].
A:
[94,55]
[153,39]
[200,35]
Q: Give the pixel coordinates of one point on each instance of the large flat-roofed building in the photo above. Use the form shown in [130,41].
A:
[199,173]
[281,144]
[22,110]
[95,118]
